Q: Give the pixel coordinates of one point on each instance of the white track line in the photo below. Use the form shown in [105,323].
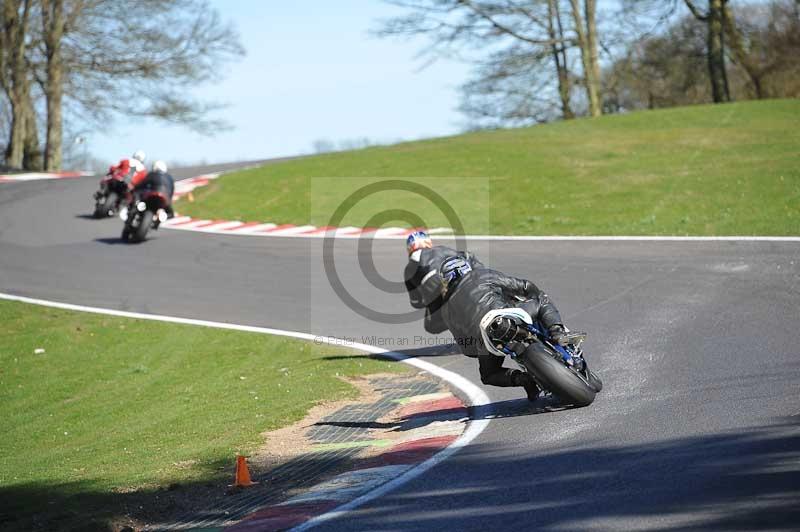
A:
[37,176]
[633,238]
[475,396]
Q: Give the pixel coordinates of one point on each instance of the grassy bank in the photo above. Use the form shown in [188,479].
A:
[112,406]
[704,170]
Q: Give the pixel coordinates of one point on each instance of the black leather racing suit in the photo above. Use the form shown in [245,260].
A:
[477,293]
[160,182]
[424,284]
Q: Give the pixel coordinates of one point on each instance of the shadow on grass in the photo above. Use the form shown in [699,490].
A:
[89,506]
[743,480]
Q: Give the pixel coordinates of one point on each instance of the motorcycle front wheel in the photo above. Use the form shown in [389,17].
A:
[548,369]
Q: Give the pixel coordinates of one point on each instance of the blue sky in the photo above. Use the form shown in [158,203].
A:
[312,71]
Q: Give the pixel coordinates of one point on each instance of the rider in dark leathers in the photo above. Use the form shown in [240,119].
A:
[475,293]
[157,180]
[422,278]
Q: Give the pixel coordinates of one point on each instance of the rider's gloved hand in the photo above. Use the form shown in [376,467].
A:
[558,334]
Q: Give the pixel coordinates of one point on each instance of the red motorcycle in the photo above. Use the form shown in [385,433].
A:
[112,193]
[147,210]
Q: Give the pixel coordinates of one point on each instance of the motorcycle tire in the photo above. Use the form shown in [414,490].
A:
[595,381]
[104,206]
[547,368]
[140,231]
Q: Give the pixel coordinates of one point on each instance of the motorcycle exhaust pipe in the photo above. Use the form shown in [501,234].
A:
[505,330]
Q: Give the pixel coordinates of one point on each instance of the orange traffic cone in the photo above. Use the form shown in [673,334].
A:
[242,479]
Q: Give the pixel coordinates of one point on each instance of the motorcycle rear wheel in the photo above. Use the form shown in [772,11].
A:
[103,208]
[140,231]
[548,369]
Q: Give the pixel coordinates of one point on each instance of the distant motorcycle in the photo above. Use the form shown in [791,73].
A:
[110,196]
[146,211]
[561,370]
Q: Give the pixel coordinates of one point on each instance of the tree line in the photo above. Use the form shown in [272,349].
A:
[96,60]
[542,60]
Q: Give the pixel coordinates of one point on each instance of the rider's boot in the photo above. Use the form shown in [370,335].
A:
[526,381]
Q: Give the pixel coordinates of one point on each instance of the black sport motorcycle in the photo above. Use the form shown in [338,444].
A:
[147,210]
[559,369]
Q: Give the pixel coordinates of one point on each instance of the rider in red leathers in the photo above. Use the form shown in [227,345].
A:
[114,186]
[129,168]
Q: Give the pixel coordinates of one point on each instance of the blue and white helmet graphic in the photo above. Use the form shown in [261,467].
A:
[418,240]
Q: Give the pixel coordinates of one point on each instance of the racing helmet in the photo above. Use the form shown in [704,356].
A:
[160,166]
[452,270]
[418,240]
[139,156]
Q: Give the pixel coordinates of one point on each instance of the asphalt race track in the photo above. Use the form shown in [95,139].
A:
[698,426]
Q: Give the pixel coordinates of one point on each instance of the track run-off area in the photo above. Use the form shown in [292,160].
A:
[698,425]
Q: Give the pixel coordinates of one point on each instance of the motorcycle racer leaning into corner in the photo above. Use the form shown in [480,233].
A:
[469,293]
[156,179]
[132,167]
[422,278]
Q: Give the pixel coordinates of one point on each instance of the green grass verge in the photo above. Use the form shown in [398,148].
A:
[114,404]
[705,170]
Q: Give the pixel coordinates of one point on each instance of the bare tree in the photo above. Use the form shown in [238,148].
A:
[495,34]
[14,77]
[31,148]
[139,58]
[513,87]
[53,28]
[586,30]
[323,146]
[663,70]
[714,17]
[95,59]
[670,67]
[764,41]
[558,50]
